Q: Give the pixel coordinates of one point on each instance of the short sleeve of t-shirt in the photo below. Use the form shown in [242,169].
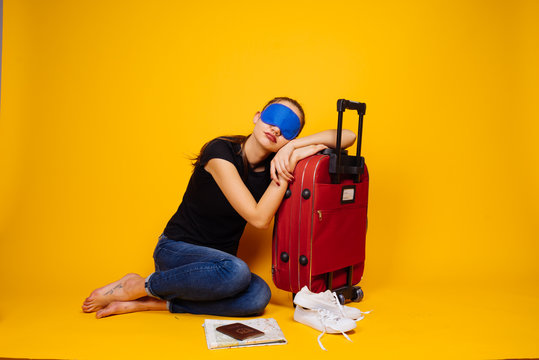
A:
[219,149]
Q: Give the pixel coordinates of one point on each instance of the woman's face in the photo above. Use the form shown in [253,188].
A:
[269,136]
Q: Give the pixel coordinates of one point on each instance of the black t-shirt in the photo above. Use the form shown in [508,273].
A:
[205,217]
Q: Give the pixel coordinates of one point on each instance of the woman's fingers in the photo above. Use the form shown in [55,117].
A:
[273,173]
[286,167]
[283,171]
[277,169]
[281,167]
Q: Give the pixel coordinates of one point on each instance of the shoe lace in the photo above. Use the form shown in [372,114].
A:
[335,300]
[326,315]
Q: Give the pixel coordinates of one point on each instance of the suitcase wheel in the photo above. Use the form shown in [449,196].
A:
[357,294]
[341,298]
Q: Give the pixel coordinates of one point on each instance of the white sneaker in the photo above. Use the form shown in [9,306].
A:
[326,300]
[325,321]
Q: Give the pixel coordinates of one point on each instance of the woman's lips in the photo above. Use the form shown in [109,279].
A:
[271,137]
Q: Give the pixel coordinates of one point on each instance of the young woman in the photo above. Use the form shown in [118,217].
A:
[236,180]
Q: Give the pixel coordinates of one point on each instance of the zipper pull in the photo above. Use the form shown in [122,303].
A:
[319,215]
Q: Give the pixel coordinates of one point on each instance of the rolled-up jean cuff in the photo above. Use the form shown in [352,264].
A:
[148,288]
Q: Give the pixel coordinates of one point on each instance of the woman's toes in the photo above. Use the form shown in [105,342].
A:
[103,312]
[88,309]
[116,307]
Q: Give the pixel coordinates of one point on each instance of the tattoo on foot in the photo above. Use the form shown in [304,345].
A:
[119,286]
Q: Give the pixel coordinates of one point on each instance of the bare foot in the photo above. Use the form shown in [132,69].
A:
[130,287]
[123,307]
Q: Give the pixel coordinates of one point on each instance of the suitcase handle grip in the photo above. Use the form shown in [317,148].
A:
[342,105]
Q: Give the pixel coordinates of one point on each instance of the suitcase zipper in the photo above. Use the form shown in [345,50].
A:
[319,214]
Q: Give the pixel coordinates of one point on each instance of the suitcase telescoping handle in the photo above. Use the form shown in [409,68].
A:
[357,170]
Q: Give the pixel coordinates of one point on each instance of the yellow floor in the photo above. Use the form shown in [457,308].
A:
[421,322]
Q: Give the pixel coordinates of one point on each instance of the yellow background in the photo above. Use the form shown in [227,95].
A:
[103,102]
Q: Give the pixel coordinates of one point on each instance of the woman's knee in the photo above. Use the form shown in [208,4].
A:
[236,275]
[261,295]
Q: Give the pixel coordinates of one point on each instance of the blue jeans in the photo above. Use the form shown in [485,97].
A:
[200,280]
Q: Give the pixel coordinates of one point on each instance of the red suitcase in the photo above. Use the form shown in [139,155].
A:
[320,228]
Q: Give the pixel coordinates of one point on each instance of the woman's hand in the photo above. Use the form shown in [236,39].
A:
[289,162]
[280,165]
[304,152]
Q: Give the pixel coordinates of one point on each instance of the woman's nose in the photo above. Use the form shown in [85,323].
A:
[276,130]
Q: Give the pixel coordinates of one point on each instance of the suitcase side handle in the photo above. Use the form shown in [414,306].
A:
[357,170]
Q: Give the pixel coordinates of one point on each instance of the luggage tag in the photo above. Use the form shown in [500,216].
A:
[348,194]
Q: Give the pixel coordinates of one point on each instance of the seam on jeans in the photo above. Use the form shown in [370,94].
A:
[202,268]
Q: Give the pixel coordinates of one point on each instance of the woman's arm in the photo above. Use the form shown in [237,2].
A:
[280,165]
[238,195]
[327,137]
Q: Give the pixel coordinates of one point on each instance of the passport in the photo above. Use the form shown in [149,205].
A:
[239,331]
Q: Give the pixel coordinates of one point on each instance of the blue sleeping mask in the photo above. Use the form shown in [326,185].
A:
[284,118]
